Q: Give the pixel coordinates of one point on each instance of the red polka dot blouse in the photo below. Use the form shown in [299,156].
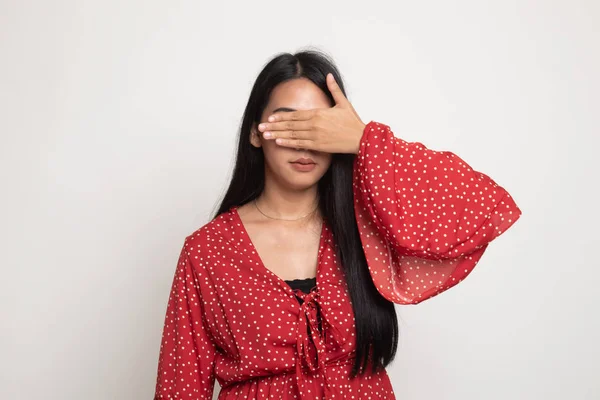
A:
[425,219]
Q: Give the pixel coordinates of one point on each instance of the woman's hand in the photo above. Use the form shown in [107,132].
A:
[332,130]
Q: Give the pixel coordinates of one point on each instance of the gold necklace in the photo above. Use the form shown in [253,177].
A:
[283,219]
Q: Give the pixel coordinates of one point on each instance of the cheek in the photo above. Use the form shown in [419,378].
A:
[274,154]
[325,160]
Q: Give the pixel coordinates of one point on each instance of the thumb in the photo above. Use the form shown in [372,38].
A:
[336,92]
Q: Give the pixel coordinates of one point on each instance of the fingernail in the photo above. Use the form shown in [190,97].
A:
[267,135]
[261,126]
[271,118]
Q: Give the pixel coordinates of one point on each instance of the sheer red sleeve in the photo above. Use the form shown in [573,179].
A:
[425,217]
[187,355]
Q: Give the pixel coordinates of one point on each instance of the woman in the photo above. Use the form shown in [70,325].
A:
[289,291]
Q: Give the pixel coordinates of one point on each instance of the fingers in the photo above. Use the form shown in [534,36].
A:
[298,115]
[300,135]
[296,143]
[335,90]
[275,127]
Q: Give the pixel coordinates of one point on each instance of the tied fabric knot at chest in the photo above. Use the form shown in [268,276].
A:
[313,330]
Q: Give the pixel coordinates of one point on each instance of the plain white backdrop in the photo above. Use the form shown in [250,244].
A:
[118,122]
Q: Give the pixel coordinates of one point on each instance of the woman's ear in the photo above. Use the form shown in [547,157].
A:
[255,136]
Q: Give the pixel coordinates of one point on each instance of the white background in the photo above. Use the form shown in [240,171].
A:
[118,126]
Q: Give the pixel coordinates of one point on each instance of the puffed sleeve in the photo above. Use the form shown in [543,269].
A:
[187,354]
[425,217]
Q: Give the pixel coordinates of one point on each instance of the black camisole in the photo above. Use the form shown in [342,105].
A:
[305,285]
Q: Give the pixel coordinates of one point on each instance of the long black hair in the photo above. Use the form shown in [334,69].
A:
[376,320]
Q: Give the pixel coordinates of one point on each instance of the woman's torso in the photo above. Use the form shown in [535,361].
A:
[275,335]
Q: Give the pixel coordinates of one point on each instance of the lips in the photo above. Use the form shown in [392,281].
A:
[304,161]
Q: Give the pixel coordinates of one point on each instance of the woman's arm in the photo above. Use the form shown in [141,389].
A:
[187,355]
[425,217]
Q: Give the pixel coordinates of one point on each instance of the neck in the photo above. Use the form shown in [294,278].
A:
[287,204]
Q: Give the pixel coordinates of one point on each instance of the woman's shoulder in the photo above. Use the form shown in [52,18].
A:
[216,230]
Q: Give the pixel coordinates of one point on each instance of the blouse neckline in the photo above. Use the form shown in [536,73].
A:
[282,282]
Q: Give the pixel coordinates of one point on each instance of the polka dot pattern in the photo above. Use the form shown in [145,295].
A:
[425,219]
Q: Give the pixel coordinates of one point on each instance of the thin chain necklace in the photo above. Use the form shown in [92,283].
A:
[283,219]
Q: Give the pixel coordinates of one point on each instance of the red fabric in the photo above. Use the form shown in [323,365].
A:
[425,219]
[425,216]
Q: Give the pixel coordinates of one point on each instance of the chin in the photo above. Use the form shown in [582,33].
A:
[296,180]
[303,181]
[301,184]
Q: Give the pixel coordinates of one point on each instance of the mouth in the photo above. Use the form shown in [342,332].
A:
[303,161]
